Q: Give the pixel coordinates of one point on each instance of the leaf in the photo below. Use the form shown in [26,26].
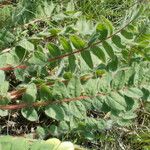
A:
[118,80]
[3,59]
[66,146]
[102,30]
[113,65]
[87,58]
[30,114]
[133,93]
[117,41]
[109,50]
[3,113]
[116,102]
[55,112]
[99,53]
[108,24]
[72,63]
[45,93]
[4,88]
[93,39]
[38,58]
[2,77]
[126,34]
[68,49]
[97,104]
[26,45]
[90,87]
[77,42]
[30,95]
[78,109]
[66,45]
[20,52]
[74,87]
[53,143]
[54,50]
[59,91]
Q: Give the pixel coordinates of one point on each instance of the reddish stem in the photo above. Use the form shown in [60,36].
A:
[44,103]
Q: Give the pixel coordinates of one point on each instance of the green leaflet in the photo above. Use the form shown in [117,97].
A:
[26,45]
[68,49]
[10,143]
[99,53]
[3,59]
[38,58]
[116,101]
[90,87]
[4,86]
[77,42]
[30,114]
[118,80]
[20,52]
[66,45]
[30,95]
[2,77]
[113,65]
[87,58]
[126,34]
[3,113]
[133,93]
[72,63]
[97,103]
[74,87]
[54,50]
[45,93]
[102,30]
[109,50]
[93,38]
[108,24]
[55,112]
[117,41]
[59,91]
[77,109]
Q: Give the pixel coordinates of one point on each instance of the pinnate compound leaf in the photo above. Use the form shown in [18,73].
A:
[30,95]
[30,114]
[109,50]
[77,42]
[87,58]
[99,53]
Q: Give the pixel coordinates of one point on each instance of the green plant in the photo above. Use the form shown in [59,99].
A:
[82,75]
[15,143]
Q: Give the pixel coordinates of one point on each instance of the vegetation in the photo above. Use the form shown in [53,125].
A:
[77,71]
